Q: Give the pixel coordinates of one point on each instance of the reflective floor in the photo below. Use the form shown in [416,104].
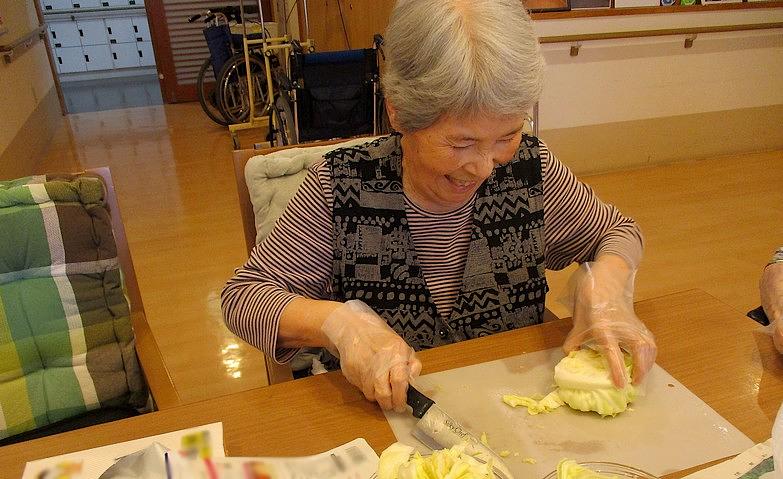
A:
[708,224]
[111,93]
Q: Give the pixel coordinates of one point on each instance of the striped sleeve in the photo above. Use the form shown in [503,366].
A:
[294,260]
[578,225]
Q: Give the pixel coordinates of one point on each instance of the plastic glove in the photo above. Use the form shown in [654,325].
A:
[604,319]
[373,357]
[771,288]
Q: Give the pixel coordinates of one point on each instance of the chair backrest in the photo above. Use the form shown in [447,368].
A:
[69,346]
[338,94]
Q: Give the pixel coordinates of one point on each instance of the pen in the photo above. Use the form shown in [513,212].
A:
[168,466]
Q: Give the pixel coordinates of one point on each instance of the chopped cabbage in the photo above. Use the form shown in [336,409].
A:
[569,469]
[549,403]
[585,383]
[399,461]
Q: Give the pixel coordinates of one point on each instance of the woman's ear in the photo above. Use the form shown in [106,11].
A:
[392,113]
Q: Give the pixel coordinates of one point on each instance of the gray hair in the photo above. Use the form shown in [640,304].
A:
[460,56]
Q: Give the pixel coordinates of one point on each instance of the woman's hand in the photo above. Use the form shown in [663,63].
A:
[373,357]
[604,317]
[771,288]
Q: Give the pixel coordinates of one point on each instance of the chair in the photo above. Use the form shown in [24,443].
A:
[68,355]
[336,94]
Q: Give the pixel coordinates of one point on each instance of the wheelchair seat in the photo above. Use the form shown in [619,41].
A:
[336,93]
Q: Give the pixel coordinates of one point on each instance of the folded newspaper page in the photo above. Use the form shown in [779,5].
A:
[755,463]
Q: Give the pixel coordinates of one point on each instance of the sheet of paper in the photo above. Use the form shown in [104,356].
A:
[91,463]
[669,429]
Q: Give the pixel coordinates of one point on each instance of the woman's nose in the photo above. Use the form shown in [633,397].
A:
[482,164]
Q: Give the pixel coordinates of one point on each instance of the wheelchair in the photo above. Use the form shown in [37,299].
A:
[332,95]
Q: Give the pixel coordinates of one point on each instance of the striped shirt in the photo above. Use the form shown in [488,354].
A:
[296,258]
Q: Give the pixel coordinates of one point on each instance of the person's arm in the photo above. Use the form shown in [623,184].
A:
[771,289]
[275,302]
[581,228]
[291,266]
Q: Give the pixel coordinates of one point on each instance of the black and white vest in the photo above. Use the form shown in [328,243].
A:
[503,286]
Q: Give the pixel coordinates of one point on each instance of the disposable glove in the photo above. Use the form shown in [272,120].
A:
[604,319]
[771,287]
[373,357]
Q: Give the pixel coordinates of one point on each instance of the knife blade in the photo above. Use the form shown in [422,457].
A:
[438,430]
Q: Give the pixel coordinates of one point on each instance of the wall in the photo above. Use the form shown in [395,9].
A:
[30,106]
[626,103]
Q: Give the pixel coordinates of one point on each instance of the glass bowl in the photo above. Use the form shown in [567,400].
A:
[611,468]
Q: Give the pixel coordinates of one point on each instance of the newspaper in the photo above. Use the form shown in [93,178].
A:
[197,453]
[755,463]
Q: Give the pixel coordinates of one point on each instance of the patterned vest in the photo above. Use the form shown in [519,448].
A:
[503,286]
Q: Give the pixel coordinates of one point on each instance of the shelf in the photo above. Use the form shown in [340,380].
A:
[609,12]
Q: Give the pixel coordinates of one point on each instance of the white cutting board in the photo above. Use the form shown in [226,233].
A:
[667,430]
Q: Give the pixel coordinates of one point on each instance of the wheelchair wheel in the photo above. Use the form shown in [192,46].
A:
[233,94]
[282,130]
[207,93]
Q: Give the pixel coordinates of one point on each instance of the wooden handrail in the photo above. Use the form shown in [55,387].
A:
[657,33]
[22,44]
[611,12]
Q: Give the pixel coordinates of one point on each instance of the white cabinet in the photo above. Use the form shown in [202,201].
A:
[70,59]
[98,57]
[125,55]
[92,32]
[146,54]
[94,40]
[120,30]
[64,34]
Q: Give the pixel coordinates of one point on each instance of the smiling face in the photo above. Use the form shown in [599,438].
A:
[444,164]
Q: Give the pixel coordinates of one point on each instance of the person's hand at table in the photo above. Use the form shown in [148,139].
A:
[771,288]
[373,357]
[604,318]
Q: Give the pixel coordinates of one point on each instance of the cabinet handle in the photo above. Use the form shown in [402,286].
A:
[135,29]
[58,45]
[114,54]
[141,55]
[81,32]
[87,58]
[60,60]
[139,39]
[54,34]
[109,29]
[113,40]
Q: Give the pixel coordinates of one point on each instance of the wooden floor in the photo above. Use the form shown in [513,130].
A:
[709,224]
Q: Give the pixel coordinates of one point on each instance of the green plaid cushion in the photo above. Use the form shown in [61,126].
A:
[66,343]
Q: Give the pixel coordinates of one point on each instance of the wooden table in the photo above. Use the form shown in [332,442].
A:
[713,350]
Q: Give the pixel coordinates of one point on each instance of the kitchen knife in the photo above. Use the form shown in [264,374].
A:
[437,430]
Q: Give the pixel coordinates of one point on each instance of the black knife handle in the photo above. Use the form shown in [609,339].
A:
[759,316]
[418,401]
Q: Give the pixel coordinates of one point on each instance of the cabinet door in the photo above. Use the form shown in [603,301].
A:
[146,54]
[98,57]
[136,2]
[120,30]
[59,5]
[70,59]
[93,32]
[141,28]
[125,55]
[118,3]
[64,34]
[86,3]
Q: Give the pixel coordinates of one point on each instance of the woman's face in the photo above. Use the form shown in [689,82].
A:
[445,163]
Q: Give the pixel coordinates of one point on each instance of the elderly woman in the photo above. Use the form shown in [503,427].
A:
[443,231]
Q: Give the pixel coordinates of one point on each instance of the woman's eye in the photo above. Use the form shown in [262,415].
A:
[506,140]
